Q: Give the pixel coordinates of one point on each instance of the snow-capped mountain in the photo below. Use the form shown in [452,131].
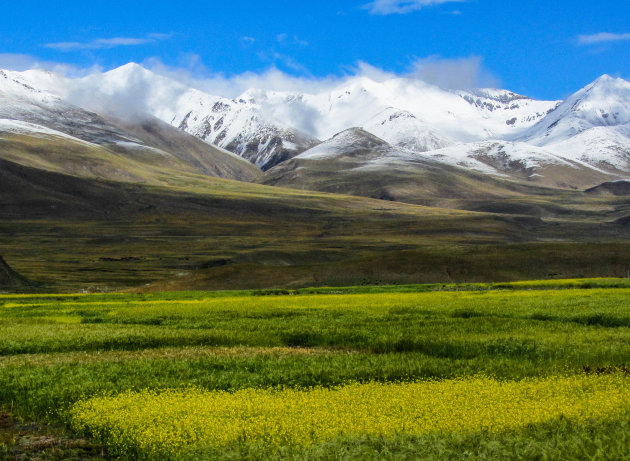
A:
[268,127]
[358,163]
[519,161]
[605,148]
[39,128]
[353,143]
[24,107]
[461,116]
[592,126]
[264,125]
[510,111]
[236,125]
[403,129]
[603,103]
[240,127]
[574,143]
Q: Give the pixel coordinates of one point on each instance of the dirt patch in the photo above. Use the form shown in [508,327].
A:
[5,421]
[21,441]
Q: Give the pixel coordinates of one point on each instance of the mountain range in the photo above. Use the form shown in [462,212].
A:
[576,143]
[151,178]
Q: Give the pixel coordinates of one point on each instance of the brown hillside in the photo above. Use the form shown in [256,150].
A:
[9,278]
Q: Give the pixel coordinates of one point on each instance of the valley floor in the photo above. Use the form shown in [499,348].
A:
[533,370]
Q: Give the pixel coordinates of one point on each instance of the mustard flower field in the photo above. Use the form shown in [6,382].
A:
[533,370]
[169,422]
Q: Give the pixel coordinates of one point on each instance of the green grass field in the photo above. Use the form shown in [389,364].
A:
[57,350]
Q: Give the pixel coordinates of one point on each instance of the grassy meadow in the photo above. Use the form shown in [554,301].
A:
[69,234]
[525,370]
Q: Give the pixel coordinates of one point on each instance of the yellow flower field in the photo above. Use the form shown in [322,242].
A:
[169,421]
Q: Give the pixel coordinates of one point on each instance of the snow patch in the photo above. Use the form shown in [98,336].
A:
[32,129]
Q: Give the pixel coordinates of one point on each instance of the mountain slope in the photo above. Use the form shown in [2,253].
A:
[403,129]
[40,129]
[241,235]
[606,148]
[605,102]
[238,235]
[236,125]
[523,162]
[9,279]
[591,126]
[204,158]
[240,127]
[462,116]
[358,163]
[616,188]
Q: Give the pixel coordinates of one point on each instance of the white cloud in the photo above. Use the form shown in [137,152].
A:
[159,36]
[459,73]
[104,43]
[602,38]
[134,98]
[193,73]
[384,7]
[462,73]
[22,62]
[289,62]
[453,73]
[286,39]
[248,40]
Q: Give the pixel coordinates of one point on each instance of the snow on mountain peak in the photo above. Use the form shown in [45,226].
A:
[130,71]
[607,79]
[258,119]
[130,67]
[352,140]
[403,129]
[399,117]
[606,85]
[356,134]
[605,102]
[19,85]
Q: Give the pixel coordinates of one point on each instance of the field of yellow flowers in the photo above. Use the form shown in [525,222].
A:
[165,423]
[513,371]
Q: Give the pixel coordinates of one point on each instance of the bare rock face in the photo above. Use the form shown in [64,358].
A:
[9,278]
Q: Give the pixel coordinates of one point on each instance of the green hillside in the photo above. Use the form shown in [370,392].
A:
[74,233]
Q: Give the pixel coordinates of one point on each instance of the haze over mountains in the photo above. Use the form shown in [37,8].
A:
[135,125]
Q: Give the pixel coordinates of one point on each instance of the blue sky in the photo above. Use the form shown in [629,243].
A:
[544,49]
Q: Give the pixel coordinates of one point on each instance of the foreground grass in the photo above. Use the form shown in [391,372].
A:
[555,440]
[56,350]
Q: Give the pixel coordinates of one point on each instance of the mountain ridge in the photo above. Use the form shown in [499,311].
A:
[39,128]
[489,131]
